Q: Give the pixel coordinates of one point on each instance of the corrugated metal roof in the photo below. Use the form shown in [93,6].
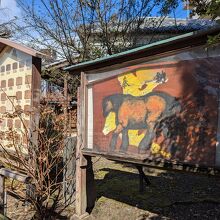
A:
[180,27]
[134,51]
[172,24]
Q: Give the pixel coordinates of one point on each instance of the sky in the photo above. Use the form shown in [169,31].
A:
[11,10]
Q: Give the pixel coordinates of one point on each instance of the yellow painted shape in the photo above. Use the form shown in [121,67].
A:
[135,83]
[109,123]
[132,84]
[134,137]
[155,148]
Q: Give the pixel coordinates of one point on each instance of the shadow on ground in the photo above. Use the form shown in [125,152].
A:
[170,195]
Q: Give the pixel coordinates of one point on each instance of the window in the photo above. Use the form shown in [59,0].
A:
[2,69]
[18,81]
[14,66]
[28,79]
[21,64]
[27,94]
[3,83]
[8,67]
[10,82]
[18,95]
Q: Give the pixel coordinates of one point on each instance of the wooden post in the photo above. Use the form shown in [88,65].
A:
[142,178]
[85,190]
[81,163]
[2,194]
[90,186]
[66,103]
[69,161]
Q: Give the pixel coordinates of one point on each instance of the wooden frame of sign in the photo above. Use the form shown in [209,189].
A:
[156,106]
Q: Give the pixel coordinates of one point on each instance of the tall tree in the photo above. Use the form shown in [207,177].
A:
[87,29]
[206,8]
[210,9]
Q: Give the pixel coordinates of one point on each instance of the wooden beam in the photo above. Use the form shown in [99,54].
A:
[155,163]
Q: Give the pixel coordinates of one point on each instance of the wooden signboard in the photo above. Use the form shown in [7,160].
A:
[164,109]
[156,106]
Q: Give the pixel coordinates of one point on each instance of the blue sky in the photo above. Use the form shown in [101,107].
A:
[12,9]
[179,11]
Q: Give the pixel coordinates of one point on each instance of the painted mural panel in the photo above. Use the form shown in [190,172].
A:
[166,110]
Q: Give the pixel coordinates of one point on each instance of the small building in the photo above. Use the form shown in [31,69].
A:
[20,81]
[151,29]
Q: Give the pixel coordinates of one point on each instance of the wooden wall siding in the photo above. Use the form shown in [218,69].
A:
[180,120]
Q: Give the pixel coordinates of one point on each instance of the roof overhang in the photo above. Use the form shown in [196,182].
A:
[6,42]
[190,39]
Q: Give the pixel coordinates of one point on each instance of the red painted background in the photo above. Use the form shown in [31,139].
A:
[194,130]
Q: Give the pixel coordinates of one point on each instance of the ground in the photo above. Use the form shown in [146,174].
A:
[170,195]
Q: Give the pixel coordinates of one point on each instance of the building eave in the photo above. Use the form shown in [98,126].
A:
[144,50]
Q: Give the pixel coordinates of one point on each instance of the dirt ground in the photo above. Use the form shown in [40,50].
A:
[170,195]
